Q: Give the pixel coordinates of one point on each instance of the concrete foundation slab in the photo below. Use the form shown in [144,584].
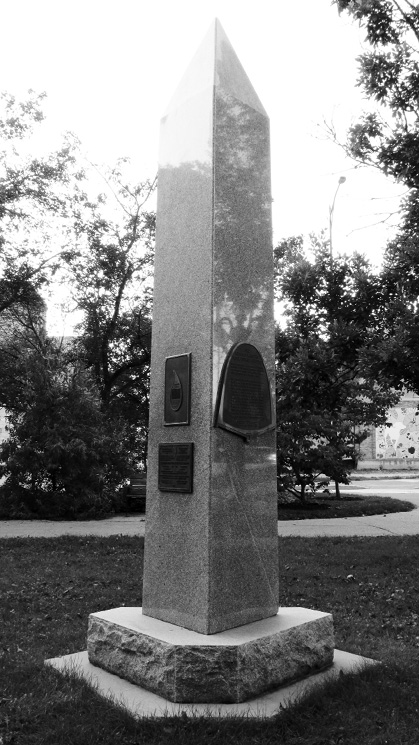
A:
[142,703]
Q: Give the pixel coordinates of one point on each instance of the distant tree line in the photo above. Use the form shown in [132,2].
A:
[351,340]
[328,352]
[78,407]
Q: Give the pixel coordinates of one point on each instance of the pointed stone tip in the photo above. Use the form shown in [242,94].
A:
[200,73]
[216,63]
[230,75]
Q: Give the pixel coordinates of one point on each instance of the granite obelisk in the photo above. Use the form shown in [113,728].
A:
[211,527]
[210,630]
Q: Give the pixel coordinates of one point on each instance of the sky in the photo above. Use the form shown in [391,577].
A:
[110,69]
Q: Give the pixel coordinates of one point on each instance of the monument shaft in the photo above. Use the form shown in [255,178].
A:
[211,529]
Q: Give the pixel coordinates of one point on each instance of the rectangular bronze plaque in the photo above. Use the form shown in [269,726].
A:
[176,467]
[177,390]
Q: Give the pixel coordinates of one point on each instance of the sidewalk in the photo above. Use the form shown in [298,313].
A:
[118,525]
[397,486]
[383,475]
[399,523]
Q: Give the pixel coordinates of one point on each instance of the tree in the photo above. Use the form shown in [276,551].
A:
[387,137]
[109,268]
[62,458]
[53,226]
[22,327]
[327,398]
[389,76]
[33,196]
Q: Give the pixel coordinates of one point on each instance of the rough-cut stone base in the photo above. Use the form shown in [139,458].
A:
[235,665]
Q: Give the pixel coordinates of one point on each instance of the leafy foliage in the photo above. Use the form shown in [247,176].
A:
[32,201]
[109,268]
[61,458]
[327,397]
[389,75]
[85,409]
[389,139]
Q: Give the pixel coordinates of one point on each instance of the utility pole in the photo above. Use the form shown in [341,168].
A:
[341,181]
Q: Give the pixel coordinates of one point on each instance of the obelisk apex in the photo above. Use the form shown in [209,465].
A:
[211,525]
[215,63]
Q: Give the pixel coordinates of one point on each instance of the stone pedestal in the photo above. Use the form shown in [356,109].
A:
[229,667]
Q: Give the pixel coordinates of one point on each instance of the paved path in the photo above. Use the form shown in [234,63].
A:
[397,523]
[131,525]
[401,523]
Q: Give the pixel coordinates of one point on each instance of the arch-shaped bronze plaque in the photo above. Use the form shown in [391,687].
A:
[244,404]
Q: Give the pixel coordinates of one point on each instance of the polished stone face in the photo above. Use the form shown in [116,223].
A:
[211,556]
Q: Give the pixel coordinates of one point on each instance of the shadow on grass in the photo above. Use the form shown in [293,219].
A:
[49,587]
[378,705]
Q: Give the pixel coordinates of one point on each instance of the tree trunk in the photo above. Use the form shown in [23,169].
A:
[337,489]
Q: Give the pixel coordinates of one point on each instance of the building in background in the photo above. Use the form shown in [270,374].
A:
[395,447]
[3,424]
[16,324]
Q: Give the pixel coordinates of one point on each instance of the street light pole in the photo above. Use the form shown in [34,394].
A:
[331,211]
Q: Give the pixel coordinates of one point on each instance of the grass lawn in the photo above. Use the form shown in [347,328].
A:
[49,586]
[348,505]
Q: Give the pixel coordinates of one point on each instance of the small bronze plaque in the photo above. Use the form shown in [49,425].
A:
[176,467]
[177,390]
[244,403]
